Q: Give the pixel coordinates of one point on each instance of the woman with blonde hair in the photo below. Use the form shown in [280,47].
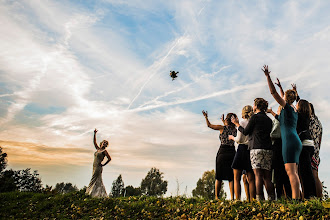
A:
[242,157]
[291,144]
[96,187]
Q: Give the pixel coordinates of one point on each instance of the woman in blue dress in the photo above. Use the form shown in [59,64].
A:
[291,144]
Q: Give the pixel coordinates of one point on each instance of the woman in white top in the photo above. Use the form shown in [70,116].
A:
[242,157]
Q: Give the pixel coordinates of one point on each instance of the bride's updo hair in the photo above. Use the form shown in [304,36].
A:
[104,142]
[261,104]
[247,112]
[290,96]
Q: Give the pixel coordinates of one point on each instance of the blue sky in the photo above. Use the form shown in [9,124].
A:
[67,67]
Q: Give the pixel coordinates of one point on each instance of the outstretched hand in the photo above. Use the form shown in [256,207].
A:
[269,110]
[294,87]
[234,120]
[278,83]
[95,131]
[265,70]
[205,113]
[231,137]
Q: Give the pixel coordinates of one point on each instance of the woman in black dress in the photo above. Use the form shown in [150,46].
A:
[226,153]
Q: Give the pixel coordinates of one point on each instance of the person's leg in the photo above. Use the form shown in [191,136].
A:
[292,171]
[217,188]
[305,172]
[246,186]
[231,188]
[252,184]
[237,183]
[318,184]
[259,183]
[267,174]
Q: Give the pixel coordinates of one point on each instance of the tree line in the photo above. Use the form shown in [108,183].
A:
[152,185]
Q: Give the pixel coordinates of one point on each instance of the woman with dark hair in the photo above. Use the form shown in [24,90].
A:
[291,144]
[305,167]
[305,159]
[260,146]
[315,128]
[96,187]
[226,153]
[242,160]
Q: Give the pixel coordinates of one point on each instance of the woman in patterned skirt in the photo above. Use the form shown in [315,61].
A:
[225,155]
[260,146]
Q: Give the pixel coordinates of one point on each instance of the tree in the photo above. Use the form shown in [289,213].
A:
[117,189]
[153,184]
[65,188]
[132,191]
[7,181]
[27,181]
[205,186]
[3,160]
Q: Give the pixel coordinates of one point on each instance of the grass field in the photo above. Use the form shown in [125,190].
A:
[21,205]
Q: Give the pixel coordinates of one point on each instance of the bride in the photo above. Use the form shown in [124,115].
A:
[96,187]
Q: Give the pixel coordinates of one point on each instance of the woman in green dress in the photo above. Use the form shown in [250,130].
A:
[291,144]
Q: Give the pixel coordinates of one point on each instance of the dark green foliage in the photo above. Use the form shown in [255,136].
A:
[78,205]
[132,191]
[118,187]
[7,181]
[27,181]
[153,184]
[205,186]
[65,188]
[3,160]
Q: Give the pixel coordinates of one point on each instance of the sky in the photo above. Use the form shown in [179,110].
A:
[68,67]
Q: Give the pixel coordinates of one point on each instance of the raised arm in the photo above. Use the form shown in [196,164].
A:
[249,127]
[214,127]
[280,86]
[272,89]
[271,112]
[95,143]
[108,156]
[294,87]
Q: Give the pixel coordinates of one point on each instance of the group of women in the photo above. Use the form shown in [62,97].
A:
[287,147]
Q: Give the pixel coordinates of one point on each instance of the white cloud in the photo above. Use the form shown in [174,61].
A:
[94,65]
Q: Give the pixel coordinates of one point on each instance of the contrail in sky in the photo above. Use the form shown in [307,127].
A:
[215,94]
[183,87]
[155,70]
[200,11]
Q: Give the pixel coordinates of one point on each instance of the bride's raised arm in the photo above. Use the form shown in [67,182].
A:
[95,143]
[272,89]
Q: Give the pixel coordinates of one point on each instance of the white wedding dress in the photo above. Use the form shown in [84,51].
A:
[96,187]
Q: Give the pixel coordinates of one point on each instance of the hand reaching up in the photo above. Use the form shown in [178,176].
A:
[278,83]
[235,120]
[205,113]
[265,70]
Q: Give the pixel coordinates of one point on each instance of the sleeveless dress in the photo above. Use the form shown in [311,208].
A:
[291,144]
[225,155]
[96,187]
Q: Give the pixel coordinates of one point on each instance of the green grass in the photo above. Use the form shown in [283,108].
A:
[21,205]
